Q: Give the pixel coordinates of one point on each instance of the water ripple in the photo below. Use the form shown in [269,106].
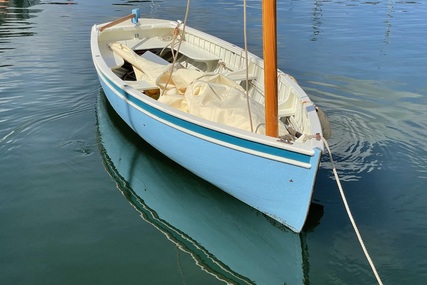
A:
[367,128]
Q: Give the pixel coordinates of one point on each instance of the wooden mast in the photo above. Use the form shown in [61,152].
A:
[270,67]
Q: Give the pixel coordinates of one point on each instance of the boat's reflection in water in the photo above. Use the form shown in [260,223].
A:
[225,237]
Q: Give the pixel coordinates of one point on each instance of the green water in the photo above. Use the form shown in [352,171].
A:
[69,214]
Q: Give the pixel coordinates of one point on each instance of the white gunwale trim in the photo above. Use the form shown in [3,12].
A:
[103,69]
[207,138]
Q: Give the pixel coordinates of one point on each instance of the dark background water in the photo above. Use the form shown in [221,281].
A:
[62,219]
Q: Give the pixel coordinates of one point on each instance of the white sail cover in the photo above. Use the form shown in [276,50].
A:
[210,96]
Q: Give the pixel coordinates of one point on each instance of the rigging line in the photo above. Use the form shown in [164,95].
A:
[362,244]
[187,11]
[175,56]
[247,64]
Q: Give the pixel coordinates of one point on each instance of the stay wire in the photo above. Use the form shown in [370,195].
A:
[362,244]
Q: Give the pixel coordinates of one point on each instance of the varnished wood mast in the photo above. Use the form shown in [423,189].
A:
[270,67]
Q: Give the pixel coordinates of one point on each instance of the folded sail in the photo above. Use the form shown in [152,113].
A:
[209,96]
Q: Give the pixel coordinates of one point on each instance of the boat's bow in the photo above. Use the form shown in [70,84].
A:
[274,175]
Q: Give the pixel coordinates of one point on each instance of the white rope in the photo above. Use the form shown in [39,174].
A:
[187,11]
[172,43]
[351,216]
[247,64]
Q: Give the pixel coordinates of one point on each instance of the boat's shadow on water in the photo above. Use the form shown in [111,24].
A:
[226,238]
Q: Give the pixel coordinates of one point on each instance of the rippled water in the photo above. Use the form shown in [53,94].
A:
[63,221]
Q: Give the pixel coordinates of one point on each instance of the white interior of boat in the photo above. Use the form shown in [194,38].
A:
[208,78]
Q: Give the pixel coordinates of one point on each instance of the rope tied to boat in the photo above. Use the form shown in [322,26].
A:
[176,33]
[247,64]
[350,215]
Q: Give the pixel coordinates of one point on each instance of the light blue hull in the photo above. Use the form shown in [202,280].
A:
[224,236]
[275,180]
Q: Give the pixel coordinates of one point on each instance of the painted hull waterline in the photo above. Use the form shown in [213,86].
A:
[225,237]
[273,177]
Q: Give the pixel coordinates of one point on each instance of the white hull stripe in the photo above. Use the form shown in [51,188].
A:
[235,142]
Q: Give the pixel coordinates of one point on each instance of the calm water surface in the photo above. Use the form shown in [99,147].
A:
[84,201]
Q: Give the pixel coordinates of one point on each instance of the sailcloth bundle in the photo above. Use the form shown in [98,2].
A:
[210,96]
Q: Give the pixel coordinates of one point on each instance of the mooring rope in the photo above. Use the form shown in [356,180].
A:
[362,244]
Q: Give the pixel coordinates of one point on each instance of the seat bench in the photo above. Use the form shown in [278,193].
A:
[199,55]
[190,51]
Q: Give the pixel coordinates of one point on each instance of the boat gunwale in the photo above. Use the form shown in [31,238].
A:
[253,138]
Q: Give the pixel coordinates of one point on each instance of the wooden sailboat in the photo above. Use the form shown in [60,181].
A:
[183,92]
